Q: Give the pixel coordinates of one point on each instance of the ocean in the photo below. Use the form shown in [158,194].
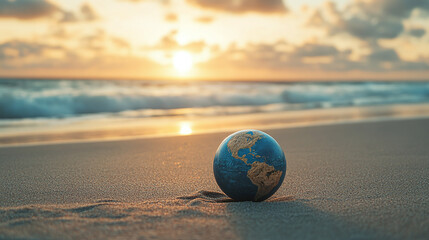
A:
[28,99]
[36,107]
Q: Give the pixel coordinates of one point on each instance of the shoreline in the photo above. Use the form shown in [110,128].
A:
[95,131]
[226,131]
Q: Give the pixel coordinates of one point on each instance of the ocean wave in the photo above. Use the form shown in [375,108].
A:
[69,98]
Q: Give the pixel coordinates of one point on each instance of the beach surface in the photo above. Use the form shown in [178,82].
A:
[344,181]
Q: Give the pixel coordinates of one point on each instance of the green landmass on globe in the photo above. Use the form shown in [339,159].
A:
[261,174]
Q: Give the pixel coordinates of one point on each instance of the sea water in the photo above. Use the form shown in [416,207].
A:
[26,99]
[34,110]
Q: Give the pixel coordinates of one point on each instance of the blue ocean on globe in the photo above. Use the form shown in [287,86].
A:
[249,165]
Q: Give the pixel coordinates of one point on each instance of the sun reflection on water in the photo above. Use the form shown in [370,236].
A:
[185,128]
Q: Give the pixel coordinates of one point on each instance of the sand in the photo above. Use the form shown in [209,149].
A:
[87,129]
[344,181]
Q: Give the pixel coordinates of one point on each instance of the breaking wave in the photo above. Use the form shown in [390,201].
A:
[70,98]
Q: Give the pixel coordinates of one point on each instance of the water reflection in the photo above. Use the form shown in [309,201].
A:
[185,128]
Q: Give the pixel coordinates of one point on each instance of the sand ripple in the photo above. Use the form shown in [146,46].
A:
[199,215]
[187,217]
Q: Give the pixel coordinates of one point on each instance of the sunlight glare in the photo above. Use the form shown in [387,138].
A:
[182,61]
[185,128]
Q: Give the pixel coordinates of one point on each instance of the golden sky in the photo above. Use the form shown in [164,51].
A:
[215,39]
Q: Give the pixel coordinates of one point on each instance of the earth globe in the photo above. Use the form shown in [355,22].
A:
[249,165]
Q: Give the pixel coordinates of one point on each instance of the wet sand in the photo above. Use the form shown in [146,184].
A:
[48,131]
[344,181]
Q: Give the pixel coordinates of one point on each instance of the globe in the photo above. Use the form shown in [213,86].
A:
[249,165]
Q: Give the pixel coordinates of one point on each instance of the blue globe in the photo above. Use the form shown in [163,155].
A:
[249,165]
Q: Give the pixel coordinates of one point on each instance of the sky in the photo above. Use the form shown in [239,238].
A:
[263,40]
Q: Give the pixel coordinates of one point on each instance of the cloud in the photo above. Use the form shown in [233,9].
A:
[243,6]
[204,19]
[316,19]
[101,54]
[381,59]
[416,32]
[27,9]
[171,17]
[367,19]
[59,33]
[94,41]
[168,43]
[86,13]
[283,57]
[120,42]
[391,8]
[380,55]
[371,21]
[315,50]
[366,28]
[166,2]
[99,41]
[32,9]
[16,49]
[276,57]
[34,58]
[69,17]
[18,56]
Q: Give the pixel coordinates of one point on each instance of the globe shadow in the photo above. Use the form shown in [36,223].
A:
[284,217]
[291,218]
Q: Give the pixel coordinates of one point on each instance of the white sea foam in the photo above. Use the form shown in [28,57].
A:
[70,98]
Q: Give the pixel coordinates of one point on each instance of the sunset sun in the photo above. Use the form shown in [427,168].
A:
[182,61]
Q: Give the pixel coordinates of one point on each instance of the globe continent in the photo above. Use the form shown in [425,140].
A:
[249,165]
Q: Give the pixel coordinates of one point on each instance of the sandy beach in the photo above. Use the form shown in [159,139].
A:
[345,181]
[154,119]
